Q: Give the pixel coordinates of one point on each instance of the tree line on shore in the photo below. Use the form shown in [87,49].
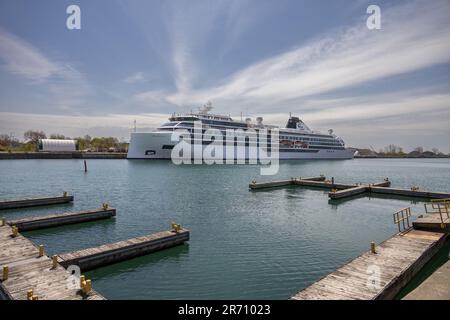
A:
[86,143]
[394,151]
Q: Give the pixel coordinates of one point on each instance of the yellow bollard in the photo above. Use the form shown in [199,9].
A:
[15,231]
[373,248]
[105,206]
[87,287]
[30,294]
[5,273]
[54,262]
[2,222]
[34,297]
[82,280]
[175,227]
[65,194]
[41,251]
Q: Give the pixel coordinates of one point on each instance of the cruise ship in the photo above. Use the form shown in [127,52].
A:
[295,141]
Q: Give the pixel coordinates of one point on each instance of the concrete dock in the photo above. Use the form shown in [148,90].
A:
[435,287]
[379,275]
[56,220]
[89,259]
[32,202]
[26,270]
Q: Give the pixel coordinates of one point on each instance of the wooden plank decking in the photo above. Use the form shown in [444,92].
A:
[432,221]
[88,259]
[397,259]
[55,220]
[281,183]
[32,202]
[28,271]
[410,193]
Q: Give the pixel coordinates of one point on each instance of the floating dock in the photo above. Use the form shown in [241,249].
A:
[56,220]
[33,202]
[435,287]
[281,183]
[379,275]
[25,269]
[410,193]
[341,190]
[92,258]
[432,221]
[347,192]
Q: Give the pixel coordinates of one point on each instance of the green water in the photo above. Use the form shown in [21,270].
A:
[253,245]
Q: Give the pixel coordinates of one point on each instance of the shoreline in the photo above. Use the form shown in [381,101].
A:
[61,155]
[123,155]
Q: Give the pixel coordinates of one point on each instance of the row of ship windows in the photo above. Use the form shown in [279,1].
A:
[292,138]
[189,125]
[312,141]
[268,146]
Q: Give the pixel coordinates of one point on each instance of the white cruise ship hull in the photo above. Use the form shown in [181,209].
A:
[155,145]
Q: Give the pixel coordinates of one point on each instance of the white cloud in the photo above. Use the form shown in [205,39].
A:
[23,59]
[66,85]
[414,36]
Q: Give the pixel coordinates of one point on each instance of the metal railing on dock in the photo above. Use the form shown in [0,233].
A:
[400,217]
[384,270]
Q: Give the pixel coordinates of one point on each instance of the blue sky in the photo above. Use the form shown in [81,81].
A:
[146,59]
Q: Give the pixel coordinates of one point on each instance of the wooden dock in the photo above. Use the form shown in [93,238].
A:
[410,193]
[342,190]
[281,183]
[432,221]
[27,271]
[347,192]
[379,275]
[33,202]
[56,220]
[92,258]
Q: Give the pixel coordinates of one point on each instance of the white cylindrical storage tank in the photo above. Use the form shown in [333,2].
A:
[58,145]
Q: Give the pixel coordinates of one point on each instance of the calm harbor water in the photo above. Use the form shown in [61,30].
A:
[244,245]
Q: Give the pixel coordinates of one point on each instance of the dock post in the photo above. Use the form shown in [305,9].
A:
[15,231]
[85,166]
[5,273]
[54,262]
[30,294]
[373,248]
[2,222]
[41,251]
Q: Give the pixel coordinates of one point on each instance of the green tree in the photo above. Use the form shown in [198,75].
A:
[34,136]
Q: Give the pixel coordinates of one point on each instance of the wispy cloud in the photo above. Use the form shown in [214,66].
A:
[339,59]
[65,84]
